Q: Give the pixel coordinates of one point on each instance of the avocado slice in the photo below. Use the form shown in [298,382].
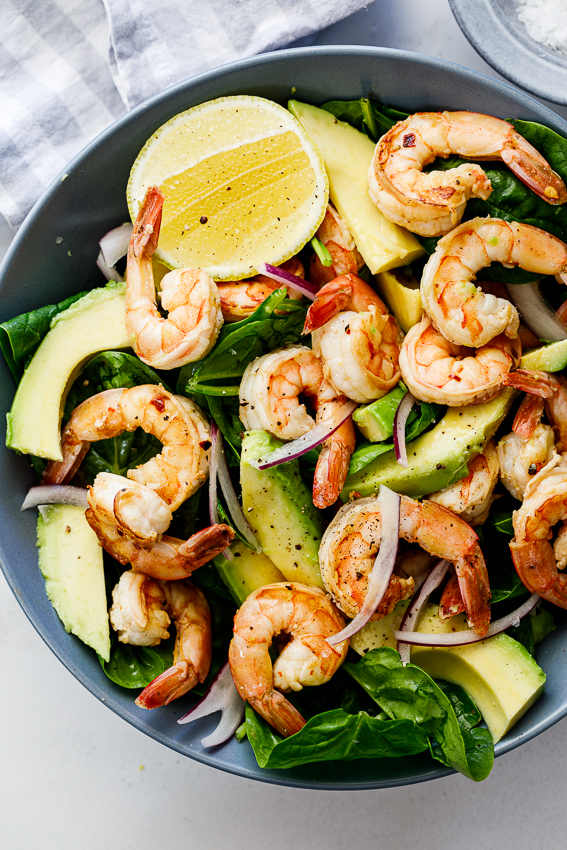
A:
[247,571]
[498,673]
[439,457]
[549,358]
[402,295]
[70,560]
[279,507]
[94,323]
[347,154]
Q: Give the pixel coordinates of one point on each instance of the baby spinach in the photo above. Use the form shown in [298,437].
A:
[137,666]
[334,734]
[366,115]
[113,370]
[408,693]
[278,321]
[20,337]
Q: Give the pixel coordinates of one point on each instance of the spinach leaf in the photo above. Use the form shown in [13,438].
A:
[241,342]
[542,625]
[20,337]
[334,735]
[464,706]
[366,115]
[137,666]
[408,693]
[421,417]
[112,370]
[497,532]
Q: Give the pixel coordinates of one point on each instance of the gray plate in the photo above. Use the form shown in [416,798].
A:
[40,269]
[496,32]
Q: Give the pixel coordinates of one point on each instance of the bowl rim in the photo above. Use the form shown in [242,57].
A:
[209,757]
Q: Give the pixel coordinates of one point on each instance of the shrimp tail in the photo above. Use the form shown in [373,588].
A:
[475,590]
[207,544]
[62,471]
[451,602]
[533,381]
[144,239]
[278,712]
[535,564]
[171,684]
[532,170]
[528,416]
[331,300]
[330,472]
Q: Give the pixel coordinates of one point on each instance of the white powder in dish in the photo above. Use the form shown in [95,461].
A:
[545,21]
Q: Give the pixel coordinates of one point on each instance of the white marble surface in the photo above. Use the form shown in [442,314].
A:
[73,775]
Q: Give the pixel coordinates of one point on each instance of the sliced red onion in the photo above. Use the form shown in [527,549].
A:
[466,637]
[288,279]
[416,606]
[232,503]
[55,494]
[109,272]
[535,311]
[400,419]
[114,244]
[222,696]
[308,441]
[214,463]
[379,578]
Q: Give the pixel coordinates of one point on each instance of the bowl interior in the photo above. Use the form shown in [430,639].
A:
[54,256]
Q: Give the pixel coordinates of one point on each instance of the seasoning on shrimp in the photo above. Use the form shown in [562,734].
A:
[356,338]
[432,203]
[337,239]
[269,401]
[471,497]
[352,540]
[309,618]
[465,314]
[190,297]
[436,370]
[240,298]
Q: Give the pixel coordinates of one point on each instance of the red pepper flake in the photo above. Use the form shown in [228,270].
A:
[158,403]
[409,140]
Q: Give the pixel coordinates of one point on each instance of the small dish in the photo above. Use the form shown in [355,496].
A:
[497,33]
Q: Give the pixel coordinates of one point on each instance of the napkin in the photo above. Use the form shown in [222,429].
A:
[68,68]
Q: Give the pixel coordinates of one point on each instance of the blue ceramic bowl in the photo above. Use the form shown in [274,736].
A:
[40,269]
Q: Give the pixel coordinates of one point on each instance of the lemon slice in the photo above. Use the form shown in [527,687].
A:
[242,182]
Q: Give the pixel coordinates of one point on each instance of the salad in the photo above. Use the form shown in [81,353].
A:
[327,474]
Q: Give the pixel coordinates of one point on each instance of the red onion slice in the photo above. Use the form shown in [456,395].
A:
[109,272]
[55,494]
[114,244]
[466,637]
[291,280]
[222,696]
[308,441]
[214,463]
[416,606]
[232,503]
[536,312]
[400,419]
[379,578]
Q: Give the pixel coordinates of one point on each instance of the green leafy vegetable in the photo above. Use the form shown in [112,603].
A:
[112,370]
[219,373]
[334,735]
[20,337]
[137,666]
[542,625]
[408,693]
[366,115]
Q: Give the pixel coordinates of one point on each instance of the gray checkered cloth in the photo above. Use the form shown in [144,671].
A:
[68,68]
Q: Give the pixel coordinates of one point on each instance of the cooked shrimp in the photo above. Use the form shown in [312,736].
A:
[240,298]
[544,505]
[471,497]
[551,388]
[336,237]
[309,618]
[269,400]
[141,611]
[521,459]
[436,370]
[461,311]
[451,602]
[356,338]
[433,203]
[130,515]
[352,540]
[190,297]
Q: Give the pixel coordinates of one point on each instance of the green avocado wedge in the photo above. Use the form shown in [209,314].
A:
[93,323]
[439,457]
[549,358]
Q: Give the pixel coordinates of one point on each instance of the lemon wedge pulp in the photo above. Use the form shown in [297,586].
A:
[242,183]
